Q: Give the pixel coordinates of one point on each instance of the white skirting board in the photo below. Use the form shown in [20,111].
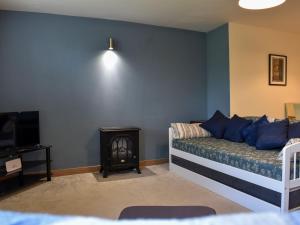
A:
[234,195]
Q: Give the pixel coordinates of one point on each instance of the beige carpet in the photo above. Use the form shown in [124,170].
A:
[124,175]
[82,194]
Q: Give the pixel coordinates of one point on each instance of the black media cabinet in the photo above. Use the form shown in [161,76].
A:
[19,153]
[119,149]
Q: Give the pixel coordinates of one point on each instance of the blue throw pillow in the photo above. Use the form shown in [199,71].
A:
[216,124]
[250,132]
[236,125]
[294,130]
[272,135]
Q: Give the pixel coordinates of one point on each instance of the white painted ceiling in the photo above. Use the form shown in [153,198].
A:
[198,15]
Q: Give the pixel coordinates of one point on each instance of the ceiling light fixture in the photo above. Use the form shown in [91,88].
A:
[260,4]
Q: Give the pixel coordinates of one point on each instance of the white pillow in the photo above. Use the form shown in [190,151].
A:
[290,142]
[186,130]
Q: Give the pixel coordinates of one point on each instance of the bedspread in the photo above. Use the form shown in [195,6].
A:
[13,218]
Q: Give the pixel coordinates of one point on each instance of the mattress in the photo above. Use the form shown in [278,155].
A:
[239,155]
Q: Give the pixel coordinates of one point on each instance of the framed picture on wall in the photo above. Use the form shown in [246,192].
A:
[277,70]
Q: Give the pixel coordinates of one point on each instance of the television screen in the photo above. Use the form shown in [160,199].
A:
[19,129]
[27,129]
[7,129]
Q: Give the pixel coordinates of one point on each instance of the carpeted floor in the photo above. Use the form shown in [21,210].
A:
[83,194]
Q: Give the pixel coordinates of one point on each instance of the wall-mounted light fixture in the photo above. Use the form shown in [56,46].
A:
[260,4]
[111,45]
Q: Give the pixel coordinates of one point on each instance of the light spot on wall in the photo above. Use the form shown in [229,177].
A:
[110,60]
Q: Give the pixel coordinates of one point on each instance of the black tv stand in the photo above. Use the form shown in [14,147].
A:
[20,152]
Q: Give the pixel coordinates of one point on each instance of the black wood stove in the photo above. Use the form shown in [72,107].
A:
[119,149]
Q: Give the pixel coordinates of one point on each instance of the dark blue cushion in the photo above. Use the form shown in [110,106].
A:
[250,132]
[236,125]
[216,124]
[272,135]
[294,130]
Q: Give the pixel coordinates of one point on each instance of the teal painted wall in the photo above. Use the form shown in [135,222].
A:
[218,84]
[59,65]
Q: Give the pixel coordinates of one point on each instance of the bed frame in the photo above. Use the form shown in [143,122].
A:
[253,191]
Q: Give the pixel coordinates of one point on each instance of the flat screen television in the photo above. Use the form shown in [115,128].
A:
[19,129]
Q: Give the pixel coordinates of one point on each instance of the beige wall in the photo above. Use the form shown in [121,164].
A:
[250,93]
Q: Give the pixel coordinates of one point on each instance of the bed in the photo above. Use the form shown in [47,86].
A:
[254,179]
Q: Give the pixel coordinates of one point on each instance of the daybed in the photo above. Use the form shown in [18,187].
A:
[252,178]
